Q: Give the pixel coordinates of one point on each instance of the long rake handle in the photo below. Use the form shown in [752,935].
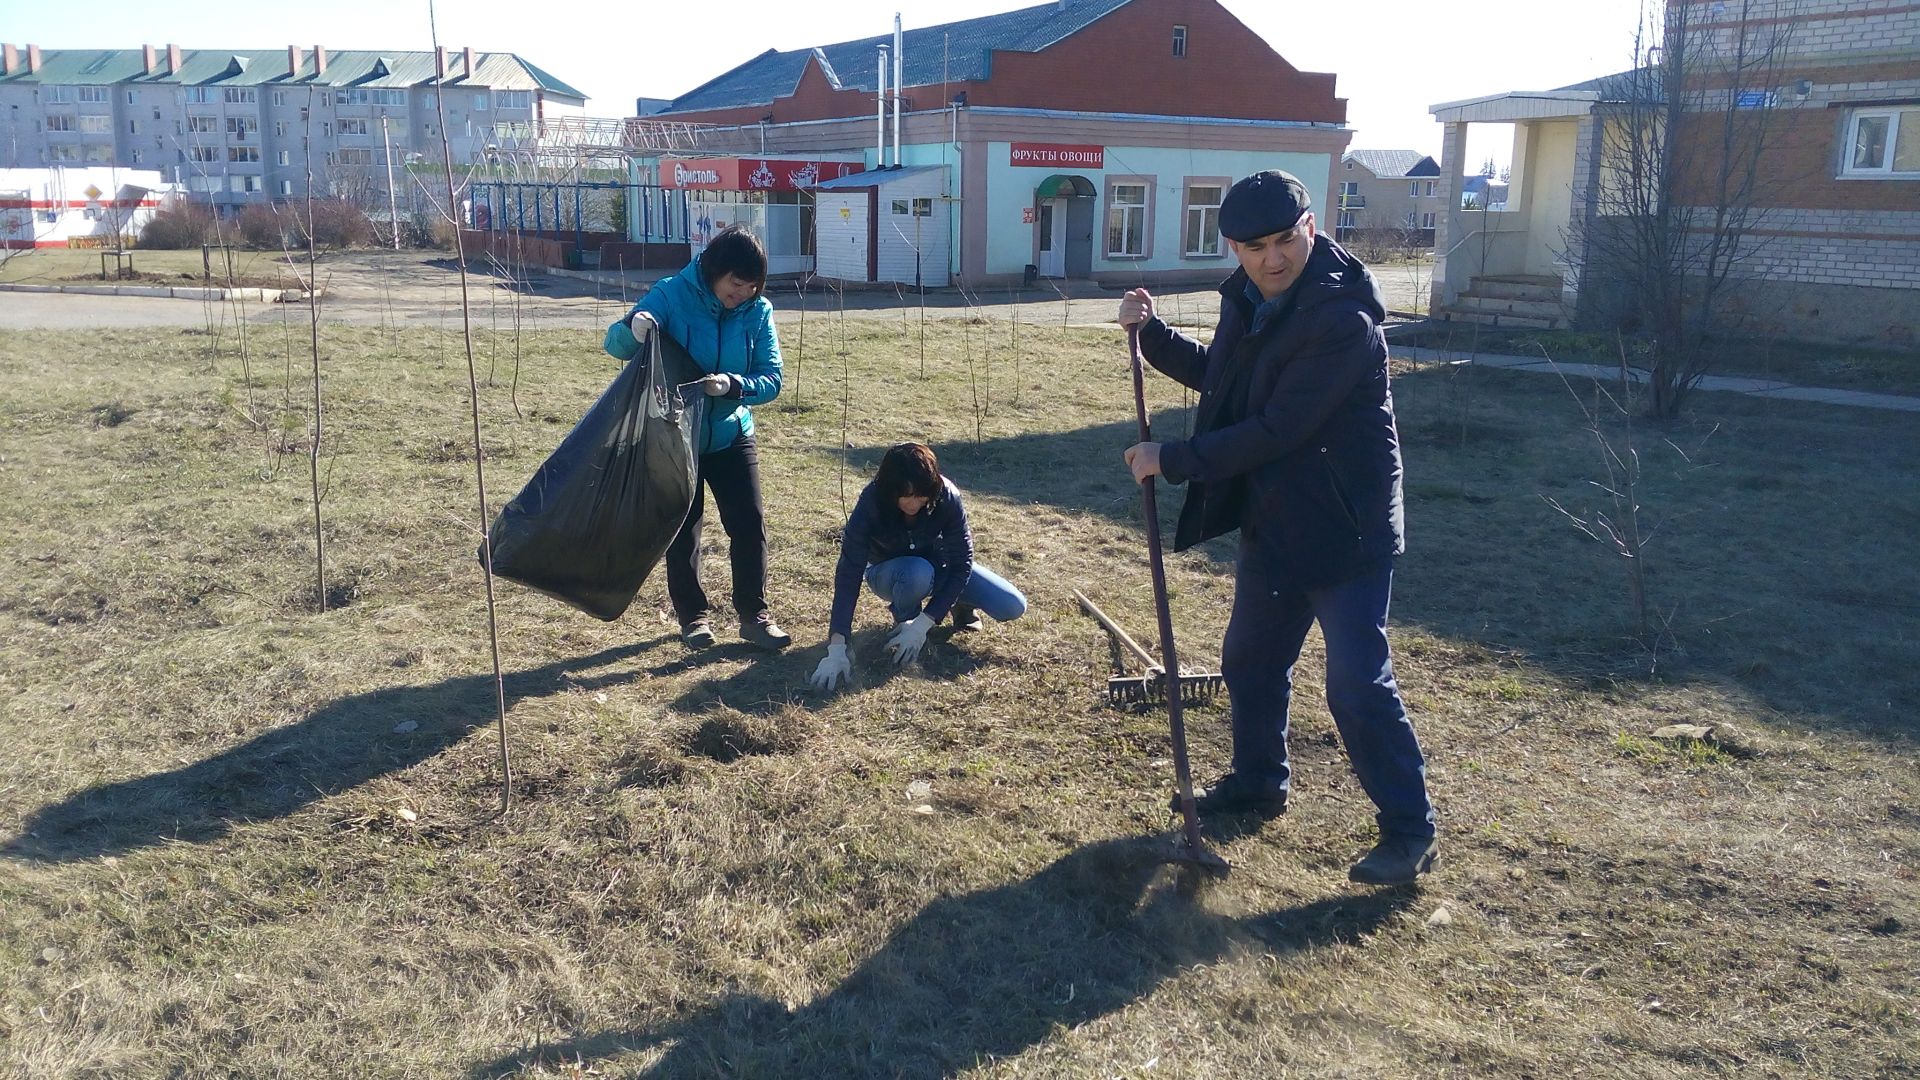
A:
[1113,628]
[1182,774]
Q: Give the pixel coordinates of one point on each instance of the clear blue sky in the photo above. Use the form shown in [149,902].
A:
[1394,58]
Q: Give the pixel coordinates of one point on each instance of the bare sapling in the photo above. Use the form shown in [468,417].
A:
[1621,527]
[479,457]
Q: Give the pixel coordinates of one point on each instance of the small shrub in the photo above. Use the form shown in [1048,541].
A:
[180,225]
[266,227]
[337,223]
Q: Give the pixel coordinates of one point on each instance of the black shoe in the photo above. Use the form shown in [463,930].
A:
[1232,795]
[1395,860]
[966,618]
[697,633]
[761,630]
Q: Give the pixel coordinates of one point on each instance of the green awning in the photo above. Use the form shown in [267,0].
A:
[1060,186]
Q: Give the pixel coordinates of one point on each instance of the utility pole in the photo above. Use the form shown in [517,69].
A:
[393,209]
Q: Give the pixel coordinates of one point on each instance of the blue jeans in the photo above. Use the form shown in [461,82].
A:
[1269,624]
[905,582]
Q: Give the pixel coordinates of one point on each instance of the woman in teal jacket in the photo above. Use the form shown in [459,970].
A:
[715,310]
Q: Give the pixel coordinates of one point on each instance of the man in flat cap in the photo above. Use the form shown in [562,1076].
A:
[1294,445]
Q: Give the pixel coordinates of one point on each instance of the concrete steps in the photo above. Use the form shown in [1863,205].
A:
[1518,301]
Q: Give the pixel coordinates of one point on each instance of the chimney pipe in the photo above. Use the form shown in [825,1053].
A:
[9,58]
[295,57]
[899,78]
[33,59]
[440,62]
[469,60]
[173,59]
[880,113]
[319,61]
[147,58]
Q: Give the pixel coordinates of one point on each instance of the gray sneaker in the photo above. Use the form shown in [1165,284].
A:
[761,630]
[697,634]
[1395,860]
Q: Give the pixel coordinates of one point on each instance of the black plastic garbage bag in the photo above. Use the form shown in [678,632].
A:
[598,515]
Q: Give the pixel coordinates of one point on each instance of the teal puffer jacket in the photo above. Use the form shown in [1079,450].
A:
[740,343]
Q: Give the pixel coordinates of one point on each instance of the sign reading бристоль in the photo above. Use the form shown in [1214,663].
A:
[1057,155]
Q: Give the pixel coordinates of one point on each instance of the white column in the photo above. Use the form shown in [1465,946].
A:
[1449,226]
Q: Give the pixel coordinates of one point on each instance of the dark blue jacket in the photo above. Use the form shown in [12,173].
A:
[1306,463]
[878,531]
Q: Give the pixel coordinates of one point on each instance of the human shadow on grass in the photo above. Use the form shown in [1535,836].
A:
[339,746]
[775,682]
[1490,562]
[978,977]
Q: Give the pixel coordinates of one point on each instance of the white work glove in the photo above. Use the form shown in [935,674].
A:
[716,385]
[834,668]
[908,638]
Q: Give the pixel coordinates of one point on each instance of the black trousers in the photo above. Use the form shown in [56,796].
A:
[734,476]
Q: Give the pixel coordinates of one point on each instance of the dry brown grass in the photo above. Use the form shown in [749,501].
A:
[247,840]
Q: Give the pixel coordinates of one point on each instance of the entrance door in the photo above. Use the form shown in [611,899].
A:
[1053,238]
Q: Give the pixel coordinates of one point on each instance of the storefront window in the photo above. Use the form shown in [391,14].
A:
[1127,221]
[1203,220]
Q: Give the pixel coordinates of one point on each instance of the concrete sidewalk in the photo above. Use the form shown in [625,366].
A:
[1766,388]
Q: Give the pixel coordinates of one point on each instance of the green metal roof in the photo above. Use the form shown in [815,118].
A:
[268,67]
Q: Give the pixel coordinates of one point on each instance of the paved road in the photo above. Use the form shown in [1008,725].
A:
[410,288]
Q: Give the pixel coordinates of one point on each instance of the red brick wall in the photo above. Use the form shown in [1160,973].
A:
[1802,150]
[1123,63]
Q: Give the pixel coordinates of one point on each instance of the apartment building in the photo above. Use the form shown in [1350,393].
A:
[239,127]
[1390,193]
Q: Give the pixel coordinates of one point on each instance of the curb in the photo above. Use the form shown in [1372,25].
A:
[264,296]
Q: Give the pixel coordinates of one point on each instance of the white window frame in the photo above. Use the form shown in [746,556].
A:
[61,122]
[93,95]
[198,95]
[1426,220]
[1345,220]
[279,98]
[1200,221]
[354,125]
[1179,40]
[1893,115]
[286,187]
[1413,190]
[59,95]
[482,101]
[203,125]
[203,155]
[240,95]
[243,155]
[96,124]
[1127,210]
[513,99]
[1431,189]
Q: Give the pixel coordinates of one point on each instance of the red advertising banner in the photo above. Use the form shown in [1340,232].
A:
[1058,155]
[751,174]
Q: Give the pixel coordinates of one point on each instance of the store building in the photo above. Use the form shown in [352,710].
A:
[1083,139]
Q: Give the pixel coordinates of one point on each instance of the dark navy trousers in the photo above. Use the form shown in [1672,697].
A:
[1264,636]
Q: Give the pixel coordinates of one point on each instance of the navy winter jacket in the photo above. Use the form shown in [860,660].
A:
[878,531]
[1310,471]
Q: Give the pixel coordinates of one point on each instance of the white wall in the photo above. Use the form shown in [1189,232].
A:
[901,234]
[840,244]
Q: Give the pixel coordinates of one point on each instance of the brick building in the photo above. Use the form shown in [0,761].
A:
[1834,248]
[1081,138]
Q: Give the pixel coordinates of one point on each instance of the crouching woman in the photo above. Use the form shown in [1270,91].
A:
[908,537]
